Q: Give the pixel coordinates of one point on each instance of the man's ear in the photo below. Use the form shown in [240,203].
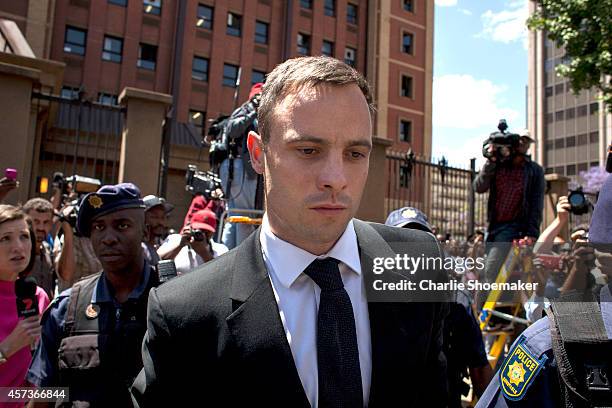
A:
[255,146]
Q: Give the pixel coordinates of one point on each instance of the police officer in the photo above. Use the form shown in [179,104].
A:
[463,344]
[565,358]
[92,333]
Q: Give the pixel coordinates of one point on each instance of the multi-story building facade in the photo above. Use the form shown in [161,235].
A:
[572,132]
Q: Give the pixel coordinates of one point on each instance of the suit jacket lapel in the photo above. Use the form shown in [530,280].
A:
[256,327]
[389,329]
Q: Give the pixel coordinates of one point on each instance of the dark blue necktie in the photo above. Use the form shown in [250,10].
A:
[337,353]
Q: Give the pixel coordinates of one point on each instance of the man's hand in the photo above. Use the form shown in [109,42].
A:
[563,208]
[185,236]
[6,185]
[203,249]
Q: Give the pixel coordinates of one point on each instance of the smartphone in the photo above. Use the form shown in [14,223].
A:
[10,174]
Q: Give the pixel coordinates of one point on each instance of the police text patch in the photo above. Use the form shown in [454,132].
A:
[518,371]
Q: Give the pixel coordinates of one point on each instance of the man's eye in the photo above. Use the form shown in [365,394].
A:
[4,239]
[98,227]
[308,151]
[357,155]
[123,226]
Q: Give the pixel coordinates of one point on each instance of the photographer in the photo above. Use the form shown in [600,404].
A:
[194,245]
[243,181]
[516,194]
[156,223]
[17,332]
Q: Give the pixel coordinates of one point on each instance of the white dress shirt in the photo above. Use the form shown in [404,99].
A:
[298,297]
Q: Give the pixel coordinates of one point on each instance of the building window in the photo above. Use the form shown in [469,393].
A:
[559,143]
[405,131]
[548,65]
[594,137]
[197,118]
[257,76]
[559,115]
[570,113]
[570,170]
[406,86]
[407,41]
[350,56]
[69,92]
[549,145]
[261,32]
[550,117]
[306,4]
[303,44]
[351,13]
[582,167]
[409,5]
[327,48]
[199,69]
[147,56]
[595,164]
[560,170]
[230,75]
[234,24]
[549,91]
[118,2]
[581,111]
[570,141]
[107,99]
[205,17]
[559,89]
[593,108]
[582,139]
[152,7]
[113,48]
[75,40]
[330,8]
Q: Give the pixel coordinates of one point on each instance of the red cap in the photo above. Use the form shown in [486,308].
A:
[255,89]
[205,220]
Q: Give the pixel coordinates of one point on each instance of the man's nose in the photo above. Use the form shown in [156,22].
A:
[109,238]
[332,174]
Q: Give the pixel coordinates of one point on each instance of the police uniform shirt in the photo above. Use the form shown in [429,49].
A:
[542,388]
[43,371]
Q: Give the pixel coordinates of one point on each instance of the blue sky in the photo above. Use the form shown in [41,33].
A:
[480,74]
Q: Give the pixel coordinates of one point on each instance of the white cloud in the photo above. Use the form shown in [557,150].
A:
[465,111]
[464,102]
[446,3]
[465,11]
[507,25]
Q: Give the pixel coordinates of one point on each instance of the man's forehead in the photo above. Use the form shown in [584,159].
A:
[296,96]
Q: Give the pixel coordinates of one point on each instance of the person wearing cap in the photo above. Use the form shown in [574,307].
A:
[156,224]
[515,204]
[194,245]
[564,359]
[463,345]
[92,332]
[243,184]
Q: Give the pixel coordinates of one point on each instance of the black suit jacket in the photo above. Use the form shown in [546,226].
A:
[215,336]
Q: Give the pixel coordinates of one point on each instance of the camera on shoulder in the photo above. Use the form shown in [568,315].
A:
[501,145]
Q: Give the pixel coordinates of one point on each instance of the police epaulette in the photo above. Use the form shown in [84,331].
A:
[519,371]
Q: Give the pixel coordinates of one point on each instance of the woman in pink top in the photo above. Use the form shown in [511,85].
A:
[16,335]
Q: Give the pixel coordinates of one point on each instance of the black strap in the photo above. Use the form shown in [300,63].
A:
[337,354]
[80,298]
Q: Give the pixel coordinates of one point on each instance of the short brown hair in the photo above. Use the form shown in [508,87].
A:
[39,205]
[12,213]
[305,71]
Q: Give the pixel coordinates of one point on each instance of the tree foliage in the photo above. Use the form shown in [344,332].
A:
[584,29]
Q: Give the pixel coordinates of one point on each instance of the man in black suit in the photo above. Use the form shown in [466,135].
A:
[289,318]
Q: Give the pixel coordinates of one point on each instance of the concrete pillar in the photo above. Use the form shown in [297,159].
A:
[141,142]
[15,137]
[557,186]
[372,207]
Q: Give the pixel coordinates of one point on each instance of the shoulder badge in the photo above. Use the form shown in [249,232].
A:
[519,371]
[92,311]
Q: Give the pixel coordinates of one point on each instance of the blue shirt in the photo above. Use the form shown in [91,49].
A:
[43,371]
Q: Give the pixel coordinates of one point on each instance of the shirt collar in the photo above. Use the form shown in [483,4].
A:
[105,293]
[288,261]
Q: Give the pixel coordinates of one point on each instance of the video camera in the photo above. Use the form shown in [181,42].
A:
[503,144]
[204,183]
[578,202]
[78,184]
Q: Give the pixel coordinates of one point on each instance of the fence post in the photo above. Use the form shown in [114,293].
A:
[472,199]
[16,137]
[141,143]
[372,206]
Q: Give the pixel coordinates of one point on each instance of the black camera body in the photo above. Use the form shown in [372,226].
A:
[578,202]
[79,184]
[504,144]
[202,183]
[198,235]
[71,218]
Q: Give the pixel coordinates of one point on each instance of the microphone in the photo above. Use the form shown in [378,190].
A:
[27,302]
[609,161]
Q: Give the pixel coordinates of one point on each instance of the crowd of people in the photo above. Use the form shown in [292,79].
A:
[90,300]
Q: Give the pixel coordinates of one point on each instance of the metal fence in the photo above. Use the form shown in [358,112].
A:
[442,192]
[77,137]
